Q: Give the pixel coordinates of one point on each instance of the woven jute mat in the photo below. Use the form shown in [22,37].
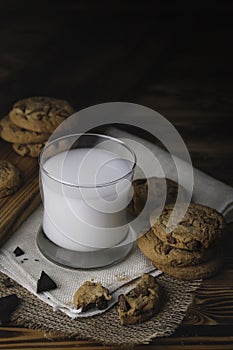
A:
[104,328]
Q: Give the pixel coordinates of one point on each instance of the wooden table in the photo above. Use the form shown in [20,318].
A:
[174,59]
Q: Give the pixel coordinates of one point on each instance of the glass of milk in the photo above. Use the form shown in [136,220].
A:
[86,185]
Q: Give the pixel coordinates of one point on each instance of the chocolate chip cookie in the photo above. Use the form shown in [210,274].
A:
[41,114]
[141,303]
[29,149]
[91,294]
[200,228]
[10,178]
[12,133]
[162,253]
[156,186]
[204,270]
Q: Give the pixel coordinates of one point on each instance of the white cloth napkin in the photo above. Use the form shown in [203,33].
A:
[206,190]
[26,269]
[27,272]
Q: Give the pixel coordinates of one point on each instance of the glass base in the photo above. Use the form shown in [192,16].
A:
[83,260]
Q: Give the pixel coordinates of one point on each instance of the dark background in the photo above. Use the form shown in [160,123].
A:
[174,57]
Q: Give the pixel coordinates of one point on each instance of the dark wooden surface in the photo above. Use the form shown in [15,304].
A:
[175,58]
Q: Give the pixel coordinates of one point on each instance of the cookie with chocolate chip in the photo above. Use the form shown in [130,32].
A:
[141,303]
[40,114]
[10,178]
[200,228]
[164,254]
[161,191]
[28,149]
[203,270]
[15,134]
[91,294]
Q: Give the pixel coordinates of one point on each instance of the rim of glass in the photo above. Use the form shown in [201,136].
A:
[109,183]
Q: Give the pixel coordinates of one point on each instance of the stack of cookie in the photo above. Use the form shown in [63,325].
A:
[148,195]
[192,249]
[31,121]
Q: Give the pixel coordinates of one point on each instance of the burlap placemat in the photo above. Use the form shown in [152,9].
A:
[104,328]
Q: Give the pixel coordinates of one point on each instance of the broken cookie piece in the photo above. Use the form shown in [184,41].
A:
[141,303]
[91,294]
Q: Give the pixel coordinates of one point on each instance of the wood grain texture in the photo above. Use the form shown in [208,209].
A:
[176,59]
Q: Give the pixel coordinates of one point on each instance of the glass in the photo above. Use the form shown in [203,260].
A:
[86,185]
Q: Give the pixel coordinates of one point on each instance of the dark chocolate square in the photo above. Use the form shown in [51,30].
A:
[45,283]
[18,251]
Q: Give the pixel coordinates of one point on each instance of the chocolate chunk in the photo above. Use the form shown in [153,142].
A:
[196,245]
[171,240]
[122,303]
[166,249]
[88,307]
[137,291]
[45,283]
[8,283]
[7,305]
[18,251]
[101,303]
[134,293]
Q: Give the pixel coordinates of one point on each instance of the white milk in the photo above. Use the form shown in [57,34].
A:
[81,218]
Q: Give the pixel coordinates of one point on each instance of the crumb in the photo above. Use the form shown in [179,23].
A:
[122,277]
